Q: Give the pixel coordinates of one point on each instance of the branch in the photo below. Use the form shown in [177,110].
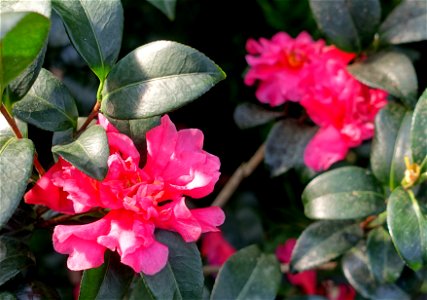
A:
[91,116]
[243,171]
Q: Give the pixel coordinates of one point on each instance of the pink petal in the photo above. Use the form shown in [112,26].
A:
[148,260]
[216,248]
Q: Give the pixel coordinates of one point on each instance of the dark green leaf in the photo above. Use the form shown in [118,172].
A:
[419,132]
[23,35]
[16,164]
[391,144]
[389,70]
[62,137]
[48,104]
[408,228]
[247,115]
[157,78]
[7,296]
[248,274]
[14,257]
[109,281]
[165,6]
[344,193]
[6,130]
[385,264]
[356,269]
[349,24]
[285,145]
[140,291]
[323,241]
[182,278]
[406,23]
[89,153]
[20,85]
[95,28]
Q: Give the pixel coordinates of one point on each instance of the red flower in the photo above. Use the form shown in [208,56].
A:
[138,200]
[216,248]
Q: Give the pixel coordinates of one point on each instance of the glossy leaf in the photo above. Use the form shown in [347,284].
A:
[16,164]
[323,241]
[89,153]
[248,274]
[182,277]
[14,257]
[350,24]
[406,23]
[389,70]
[344,193]
[247,115]
[48,104]
[20,85]
[165,6]
[95,28]
[157,78]
[286,144]
[109,281]
[408,228]
[356,269]
[22,36]
[391,144]
[385,264]
[419,132]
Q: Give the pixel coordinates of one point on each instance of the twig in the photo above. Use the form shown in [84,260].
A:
[210,270]
[91,116]
[243,171]
[11,121]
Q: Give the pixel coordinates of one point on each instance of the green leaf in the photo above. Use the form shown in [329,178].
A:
[419,132]
[356,269]
[22,36]
[285,145]
[389,70]
[89,153]
[344,193]
[182,277]
[323,241]
[95,28]
[16,164]
[349,24]
[20,85]
[247,115]
[157,78]
[14,257]
[109,281]
[406,23]
[6,130]
[391,144]
[248,274]
[385,263]
[140,291]
[165,6]
[408,228]
[48,104]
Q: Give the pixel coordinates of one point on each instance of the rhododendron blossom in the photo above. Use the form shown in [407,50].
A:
[216,248]
[137,200]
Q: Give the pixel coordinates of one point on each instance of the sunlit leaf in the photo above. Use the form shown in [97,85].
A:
[48,104]
[349,24]
[408,228]
[389,70]
[16,162]
[182,277]
[165,6]
[89,153]
[344,193]
[157,78]
[248,274]
[419,132]
[391,144]
[406,23]
[6,130]
[95,28]
[323,241]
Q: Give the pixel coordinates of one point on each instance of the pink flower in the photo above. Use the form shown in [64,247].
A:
[216,248]
[344,109]
[281,63]
[306,280]
[137,200]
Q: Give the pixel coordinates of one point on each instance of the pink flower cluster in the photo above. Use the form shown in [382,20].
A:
[307,280]
[137,201]
[315,75]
